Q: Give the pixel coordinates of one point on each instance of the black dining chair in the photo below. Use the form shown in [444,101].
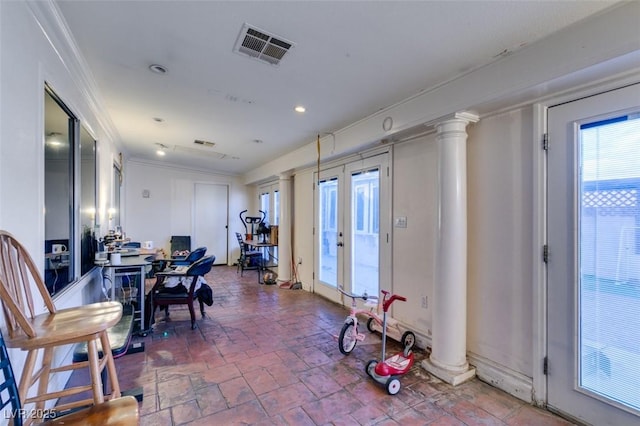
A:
[164,297]
[166,265]
[249,259]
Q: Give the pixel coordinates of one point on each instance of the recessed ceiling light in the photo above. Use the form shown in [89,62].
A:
[158,119]
[161,151]
[299,108]
[54,139]
[158,69]
[258,141]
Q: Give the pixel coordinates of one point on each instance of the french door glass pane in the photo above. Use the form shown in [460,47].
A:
[276,208]
[328,241]
[264,206]
[609,250]
[365,249]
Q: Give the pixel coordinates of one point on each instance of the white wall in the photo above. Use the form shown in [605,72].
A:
[415,192]
[303,219]
[28,59]
[500,239]
[169,209]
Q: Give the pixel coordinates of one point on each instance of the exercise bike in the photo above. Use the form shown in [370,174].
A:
[387,370]
[254,221]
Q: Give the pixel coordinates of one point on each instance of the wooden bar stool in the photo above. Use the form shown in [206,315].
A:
[115,412]
[28,329]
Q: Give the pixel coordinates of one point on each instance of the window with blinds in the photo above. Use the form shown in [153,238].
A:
[609,259]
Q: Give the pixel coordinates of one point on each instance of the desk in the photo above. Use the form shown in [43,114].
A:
[265,247]
[130,266]
[155,252]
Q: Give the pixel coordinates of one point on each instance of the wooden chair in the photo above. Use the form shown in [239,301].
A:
[166,298]
[28,329]
[116,412]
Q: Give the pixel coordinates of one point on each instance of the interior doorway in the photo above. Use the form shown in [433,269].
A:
[211,219]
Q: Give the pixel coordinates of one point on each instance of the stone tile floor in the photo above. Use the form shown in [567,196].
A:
[267,356]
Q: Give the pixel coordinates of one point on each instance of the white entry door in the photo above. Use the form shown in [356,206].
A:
[211,219]
[594,258]
[352,241]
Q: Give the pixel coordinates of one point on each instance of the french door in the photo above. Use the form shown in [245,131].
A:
[594,258]
[352,227]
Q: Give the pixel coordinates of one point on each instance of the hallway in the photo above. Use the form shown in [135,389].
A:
[267,356]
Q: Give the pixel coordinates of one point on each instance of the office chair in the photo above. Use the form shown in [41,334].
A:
[180,243]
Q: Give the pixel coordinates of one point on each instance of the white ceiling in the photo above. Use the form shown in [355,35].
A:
[349,60]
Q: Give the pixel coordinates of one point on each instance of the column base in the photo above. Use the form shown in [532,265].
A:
[454,378]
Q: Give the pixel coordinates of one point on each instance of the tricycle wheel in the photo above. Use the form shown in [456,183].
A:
[393,385]
[408,340]
[370,322]
[371,366]
[347,339]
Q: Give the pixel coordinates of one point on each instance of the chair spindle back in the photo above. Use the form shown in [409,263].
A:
[18,273]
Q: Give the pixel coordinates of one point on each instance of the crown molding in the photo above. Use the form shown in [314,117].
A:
[54,28]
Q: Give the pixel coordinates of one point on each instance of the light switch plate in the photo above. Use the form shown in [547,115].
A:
[400,222]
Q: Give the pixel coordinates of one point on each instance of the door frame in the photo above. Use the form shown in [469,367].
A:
[539,229]
[219,259]
[385,220]
[539,394]
[328,174]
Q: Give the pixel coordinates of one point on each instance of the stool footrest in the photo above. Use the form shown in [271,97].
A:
[119,337]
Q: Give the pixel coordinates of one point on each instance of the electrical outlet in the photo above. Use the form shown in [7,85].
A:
[425,302]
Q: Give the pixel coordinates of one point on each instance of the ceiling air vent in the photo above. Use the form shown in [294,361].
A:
[203,149]
[204,143]
[261,45]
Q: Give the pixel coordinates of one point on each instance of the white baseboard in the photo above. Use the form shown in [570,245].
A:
[501,377]
[488,371]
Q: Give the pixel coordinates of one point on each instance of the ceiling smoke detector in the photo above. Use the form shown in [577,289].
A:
[261,45]
[158,69]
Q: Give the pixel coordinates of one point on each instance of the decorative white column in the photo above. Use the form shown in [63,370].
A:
[448,360]
[284,228]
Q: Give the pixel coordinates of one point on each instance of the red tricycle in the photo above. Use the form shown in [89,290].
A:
[350,334]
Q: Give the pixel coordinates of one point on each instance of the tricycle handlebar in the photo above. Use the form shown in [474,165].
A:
[388,300]
[357,296]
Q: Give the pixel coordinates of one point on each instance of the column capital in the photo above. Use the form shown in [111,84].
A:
[285,176]
[465,116]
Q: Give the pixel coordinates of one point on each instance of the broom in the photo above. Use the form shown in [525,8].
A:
[295,280]
[294,284]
